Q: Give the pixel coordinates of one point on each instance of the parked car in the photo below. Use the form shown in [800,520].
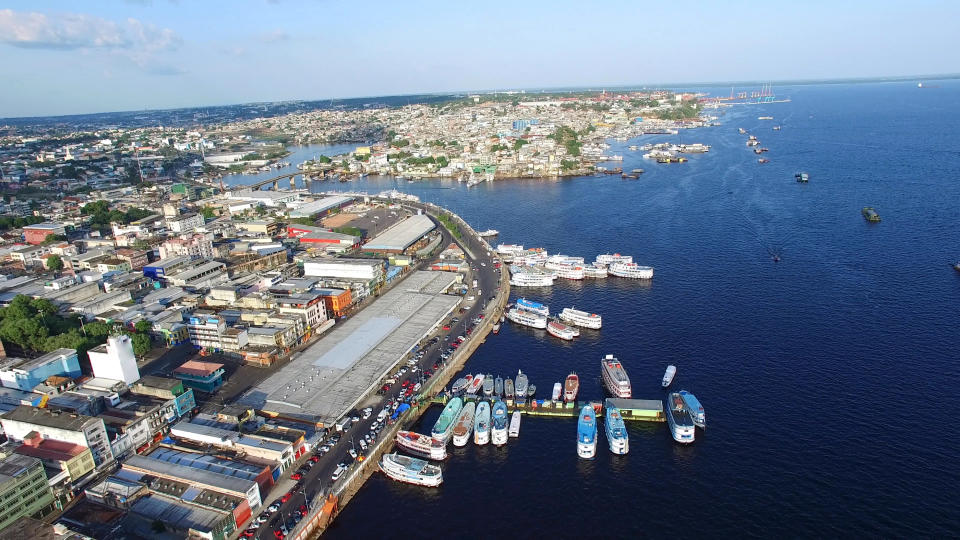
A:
[296,476]
[286,496]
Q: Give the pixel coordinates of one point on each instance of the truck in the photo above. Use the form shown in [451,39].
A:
[343,424]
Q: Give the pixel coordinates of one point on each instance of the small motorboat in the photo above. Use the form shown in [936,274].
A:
[668,375]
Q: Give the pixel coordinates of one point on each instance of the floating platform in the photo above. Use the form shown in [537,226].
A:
[640,410]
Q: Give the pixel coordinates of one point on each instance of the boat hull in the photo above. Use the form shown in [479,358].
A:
[407,475]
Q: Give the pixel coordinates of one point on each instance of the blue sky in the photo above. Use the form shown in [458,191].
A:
[74,57]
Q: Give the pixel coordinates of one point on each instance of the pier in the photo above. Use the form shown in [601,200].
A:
[640,410]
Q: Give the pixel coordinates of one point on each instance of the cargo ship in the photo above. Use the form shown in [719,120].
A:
[694,408]
[481,424]
[615,377]
[514,424]
[581,318]
[668,375]
[870,214]
[444,424]
[679,420]
[498,433]
[630,270]
[570,387]
[587,433]
[527,318]
[534,307]
[464,424]
[422,445]
[617,438]
[411,470]
[562,331]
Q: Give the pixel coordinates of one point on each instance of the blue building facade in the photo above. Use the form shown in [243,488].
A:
[24,375]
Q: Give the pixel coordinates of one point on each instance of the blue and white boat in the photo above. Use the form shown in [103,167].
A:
[481,424]
[694,408]
[679,420]
[587,433]
[499,431]
[411,470]
[444,425]
[617,437]
[535,307]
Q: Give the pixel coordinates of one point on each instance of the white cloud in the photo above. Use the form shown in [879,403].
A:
[140,42]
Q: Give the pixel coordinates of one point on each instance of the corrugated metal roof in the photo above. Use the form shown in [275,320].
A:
[401,235]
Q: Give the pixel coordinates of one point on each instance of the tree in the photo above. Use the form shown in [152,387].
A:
[54,238]
[55,263]
[141,344]
[143,326]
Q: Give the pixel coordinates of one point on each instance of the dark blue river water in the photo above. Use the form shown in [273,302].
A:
[829,379]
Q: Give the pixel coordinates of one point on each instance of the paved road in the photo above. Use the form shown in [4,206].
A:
[318,480]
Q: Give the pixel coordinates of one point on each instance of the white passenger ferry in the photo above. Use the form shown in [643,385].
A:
[630,270]
[527,318]
[581,318]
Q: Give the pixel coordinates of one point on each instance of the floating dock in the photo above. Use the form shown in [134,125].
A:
[640,410]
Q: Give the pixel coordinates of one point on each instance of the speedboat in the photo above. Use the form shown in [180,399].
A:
[488,385]
[557,391]
[669,375]
[508,388]
[498,386]
[521,388]
[499,430]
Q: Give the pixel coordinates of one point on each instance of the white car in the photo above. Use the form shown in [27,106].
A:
[353,453]
[337,473]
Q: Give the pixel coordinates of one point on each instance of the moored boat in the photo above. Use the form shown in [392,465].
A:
[570,387]
[870,214]
[515,424]
[531,279]
[581,318]
[498,386]
[587,433]
[694,408]
[444,424]
[557,391]
[488,385]
[421,445]
[475,384]
[594,271]
[615,377]
[460,385]
[668,375]
[498,432]
[411,470]
[520,388]
[562,331]
[496,328]
[508,388]
[533,307]
[679,420]
[616,430]
[464,424]
[527,318]
[488,233]
[607,259]
[481,424]
[630,270]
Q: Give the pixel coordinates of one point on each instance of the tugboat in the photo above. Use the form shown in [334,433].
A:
[870,214]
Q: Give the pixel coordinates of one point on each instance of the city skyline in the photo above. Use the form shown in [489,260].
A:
[140,55]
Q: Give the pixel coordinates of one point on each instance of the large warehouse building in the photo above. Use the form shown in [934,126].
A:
[321,207]
[404,234]
[331,377]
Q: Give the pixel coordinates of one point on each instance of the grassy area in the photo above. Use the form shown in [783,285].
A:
[451,226]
